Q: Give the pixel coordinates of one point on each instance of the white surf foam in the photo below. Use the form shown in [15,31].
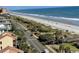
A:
[50,17]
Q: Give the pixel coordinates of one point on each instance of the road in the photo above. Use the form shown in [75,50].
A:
[31,39]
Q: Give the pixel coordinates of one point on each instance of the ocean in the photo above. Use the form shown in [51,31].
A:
[69,15]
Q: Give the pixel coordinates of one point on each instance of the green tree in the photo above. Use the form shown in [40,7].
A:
[61,48]
[67,50]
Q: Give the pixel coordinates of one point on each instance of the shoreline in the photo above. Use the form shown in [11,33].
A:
[53,24]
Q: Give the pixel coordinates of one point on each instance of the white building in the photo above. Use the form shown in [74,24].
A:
[5,25]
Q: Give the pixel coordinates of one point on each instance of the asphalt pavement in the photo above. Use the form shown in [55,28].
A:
[31,39]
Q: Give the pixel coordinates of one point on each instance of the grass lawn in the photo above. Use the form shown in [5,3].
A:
[72,48]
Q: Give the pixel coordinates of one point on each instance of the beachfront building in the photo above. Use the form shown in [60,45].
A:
[3,11]
[10,49]
[7,39]
[5,25]
[8,25]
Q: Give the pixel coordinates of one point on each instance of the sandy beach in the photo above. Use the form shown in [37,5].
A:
[53,24]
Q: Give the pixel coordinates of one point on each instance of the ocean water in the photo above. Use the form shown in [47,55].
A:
[69,15]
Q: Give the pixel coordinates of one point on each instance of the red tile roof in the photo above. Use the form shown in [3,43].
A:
[11,50]
[8,34]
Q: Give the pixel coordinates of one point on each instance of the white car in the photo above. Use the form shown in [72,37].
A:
[46,50]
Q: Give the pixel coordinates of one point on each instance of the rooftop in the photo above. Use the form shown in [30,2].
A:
[9,49]
[8,34]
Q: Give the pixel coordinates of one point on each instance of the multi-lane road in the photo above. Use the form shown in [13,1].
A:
[31,39]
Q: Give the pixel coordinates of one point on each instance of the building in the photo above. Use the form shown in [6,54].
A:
[7,39]
[5,25]
[10,49]
[3,11]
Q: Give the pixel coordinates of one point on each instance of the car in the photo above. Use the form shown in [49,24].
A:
[46,50]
